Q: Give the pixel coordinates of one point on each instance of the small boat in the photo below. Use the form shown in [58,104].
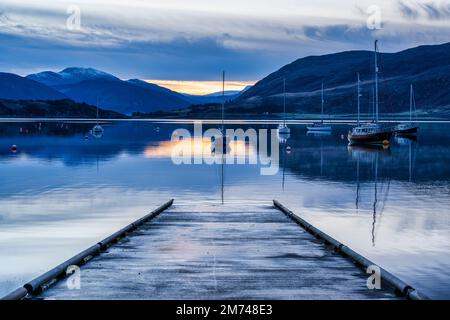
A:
[220,145]
[283,129]
[319,126]
[371,132]
[408,127]
[97,130]
[318,133]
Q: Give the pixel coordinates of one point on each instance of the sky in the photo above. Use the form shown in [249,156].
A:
[195,40]
[200,87]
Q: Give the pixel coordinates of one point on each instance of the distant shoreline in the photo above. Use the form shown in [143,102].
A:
[227,121]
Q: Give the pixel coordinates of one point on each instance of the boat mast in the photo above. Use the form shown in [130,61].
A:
[224,142]
[284,101]
[223,100]
[97,109]
[359,95]
[373,104]
[376,81]
[322,104]
[411,94]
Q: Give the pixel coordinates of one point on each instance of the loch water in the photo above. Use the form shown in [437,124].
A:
[62,189]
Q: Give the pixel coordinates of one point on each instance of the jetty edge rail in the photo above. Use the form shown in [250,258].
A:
[59,272]
[401,288]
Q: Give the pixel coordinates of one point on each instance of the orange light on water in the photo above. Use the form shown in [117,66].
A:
[196,147]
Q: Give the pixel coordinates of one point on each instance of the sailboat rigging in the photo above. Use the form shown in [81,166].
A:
[97,130]
[320,126]
[408,127]
[221,143]
[283,128]
[372,132]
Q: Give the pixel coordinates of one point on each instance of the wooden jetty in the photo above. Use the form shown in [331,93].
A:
[219,252]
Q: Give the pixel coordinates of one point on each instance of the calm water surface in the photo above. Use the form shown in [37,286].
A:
[61,192]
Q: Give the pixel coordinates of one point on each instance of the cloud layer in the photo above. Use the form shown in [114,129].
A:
[194,40]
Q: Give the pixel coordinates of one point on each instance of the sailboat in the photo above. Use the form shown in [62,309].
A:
[408,127]
[283,129]
[320,126]
[97,130]
[221,143]
[372,132]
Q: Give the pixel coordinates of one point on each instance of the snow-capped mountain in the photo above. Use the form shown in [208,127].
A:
[70,75]
[91,86]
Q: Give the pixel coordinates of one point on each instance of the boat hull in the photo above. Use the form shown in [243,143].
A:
[319,129]
[378,138]
[407,131]
[318,133]
[284,130]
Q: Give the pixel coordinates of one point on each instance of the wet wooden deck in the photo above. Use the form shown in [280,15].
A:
[219,252]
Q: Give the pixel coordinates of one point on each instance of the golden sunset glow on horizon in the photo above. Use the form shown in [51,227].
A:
[196,147]
[201,87]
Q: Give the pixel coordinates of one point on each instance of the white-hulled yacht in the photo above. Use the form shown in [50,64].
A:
[408,127]
[97,130]
[283,129]
[320,126]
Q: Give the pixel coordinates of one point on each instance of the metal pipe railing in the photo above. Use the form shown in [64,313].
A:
[45,280]
[400,287]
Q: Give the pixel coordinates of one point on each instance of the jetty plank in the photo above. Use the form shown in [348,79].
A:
[219,252]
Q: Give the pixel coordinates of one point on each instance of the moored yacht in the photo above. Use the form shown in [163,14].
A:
[372,132]
[408,127]
[283,129]
[220,145]
[319,126]
[97,130]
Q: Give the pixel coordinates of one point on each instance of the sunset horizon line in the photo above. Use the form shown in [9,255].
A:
[200,87]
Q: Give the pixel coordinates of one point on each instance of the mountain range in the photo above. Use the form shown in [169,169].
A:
[14,87]
[426,67]
[94,87]
[107,91]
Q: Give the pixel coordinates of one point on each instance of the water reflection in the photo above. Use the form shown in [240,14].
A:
[369,155]
[61,192]
[285,151]
[197,147]
[65,142]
